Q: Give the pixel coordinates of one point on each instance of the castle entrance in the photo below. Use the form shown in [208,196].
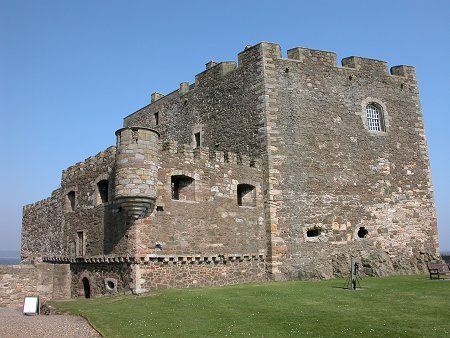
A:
[86,288]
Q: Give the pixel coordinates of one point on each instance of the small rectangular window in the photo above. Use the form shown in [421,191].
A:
[197,139]
[246,195]
[156,118]
[182,188]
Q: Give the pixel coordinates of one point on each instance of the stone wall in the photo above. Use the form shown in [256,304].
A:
[118,274]
[48,281]
[199,272]
[43,231]
[340,189]
[88,214]
[209,221]
[222,105]
[152,271]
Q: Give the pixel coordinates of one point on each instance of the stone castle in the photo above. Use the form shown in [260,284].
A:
[271,168]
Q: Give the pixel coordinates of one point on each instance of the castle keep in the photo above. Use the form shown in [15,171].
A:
[271,168]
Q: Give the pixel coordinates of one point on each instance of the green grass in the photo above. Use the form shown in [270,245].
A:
[401,306]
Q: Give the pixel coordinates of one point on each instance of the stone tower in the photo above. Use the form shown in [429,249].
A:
[137,160]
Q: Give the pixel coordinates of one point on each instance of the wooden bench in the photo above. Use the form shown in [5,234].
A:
[438,269]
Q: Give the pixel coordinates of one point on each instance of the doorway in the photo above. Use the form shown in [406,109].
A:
[86,288]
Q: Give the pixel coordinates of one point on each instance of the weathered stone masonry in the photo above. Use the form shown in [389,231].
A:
[272,168]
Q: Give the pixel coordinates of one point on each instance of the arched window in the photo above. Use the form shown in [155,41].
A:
[102,192]
[70,201]
[375,117]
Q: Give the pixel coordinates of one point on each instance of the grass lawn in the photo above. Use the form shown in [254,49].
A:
[401,306]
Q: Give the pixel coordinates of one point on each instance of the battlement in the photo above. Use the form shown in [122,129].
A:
[312,56]
[188,152]
[214,69]
[325,58]
[44,202]
[89,163]
[405,71]
[251,54]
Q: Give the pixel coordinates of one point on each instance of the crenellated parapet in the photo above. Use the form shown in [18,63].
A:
[88,164]
[44,202]
[208,156]
[320,58]
[215,70]
[312,56]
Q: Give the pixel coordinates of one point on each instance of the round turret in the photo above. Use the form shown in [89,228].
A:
[136,172]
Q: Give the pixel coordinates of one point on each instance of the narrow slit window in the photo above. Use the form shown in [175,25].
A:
[197,139]
[156,118]
[246,195]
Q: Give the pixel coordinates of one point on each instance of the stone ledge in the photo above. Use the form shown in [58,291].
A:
[163,259]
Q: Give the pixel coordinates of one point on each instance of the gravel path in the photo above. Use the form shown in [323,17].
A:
[13,323]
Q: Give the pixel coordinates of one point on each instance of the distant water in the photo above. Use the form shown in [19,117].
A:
[9,257]
[9,260]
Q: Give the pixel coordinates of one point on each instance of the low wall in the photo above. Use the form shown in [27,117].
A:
[187,275]
[48,281]
[92,279]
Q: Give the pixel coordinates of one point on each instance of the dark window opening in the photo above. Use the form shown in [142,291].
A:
[102,188]
[110,284]
[70,200]
[246,195]
[182,188]
[313,233]
[362,232]
[159,209]
[86,288]
[197,139]
[156,117]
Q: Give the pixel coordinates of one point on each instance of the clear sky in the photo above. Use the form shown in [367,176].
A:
[71,70]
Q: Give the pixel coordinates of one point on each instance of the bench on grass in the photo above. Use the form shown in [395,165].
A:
[438,269]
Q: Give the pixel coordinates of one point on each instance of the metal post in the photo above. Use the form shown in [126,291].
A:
[354,268]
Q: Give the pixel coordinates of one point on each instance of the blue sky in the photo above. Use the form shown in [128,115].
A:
[71,70]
